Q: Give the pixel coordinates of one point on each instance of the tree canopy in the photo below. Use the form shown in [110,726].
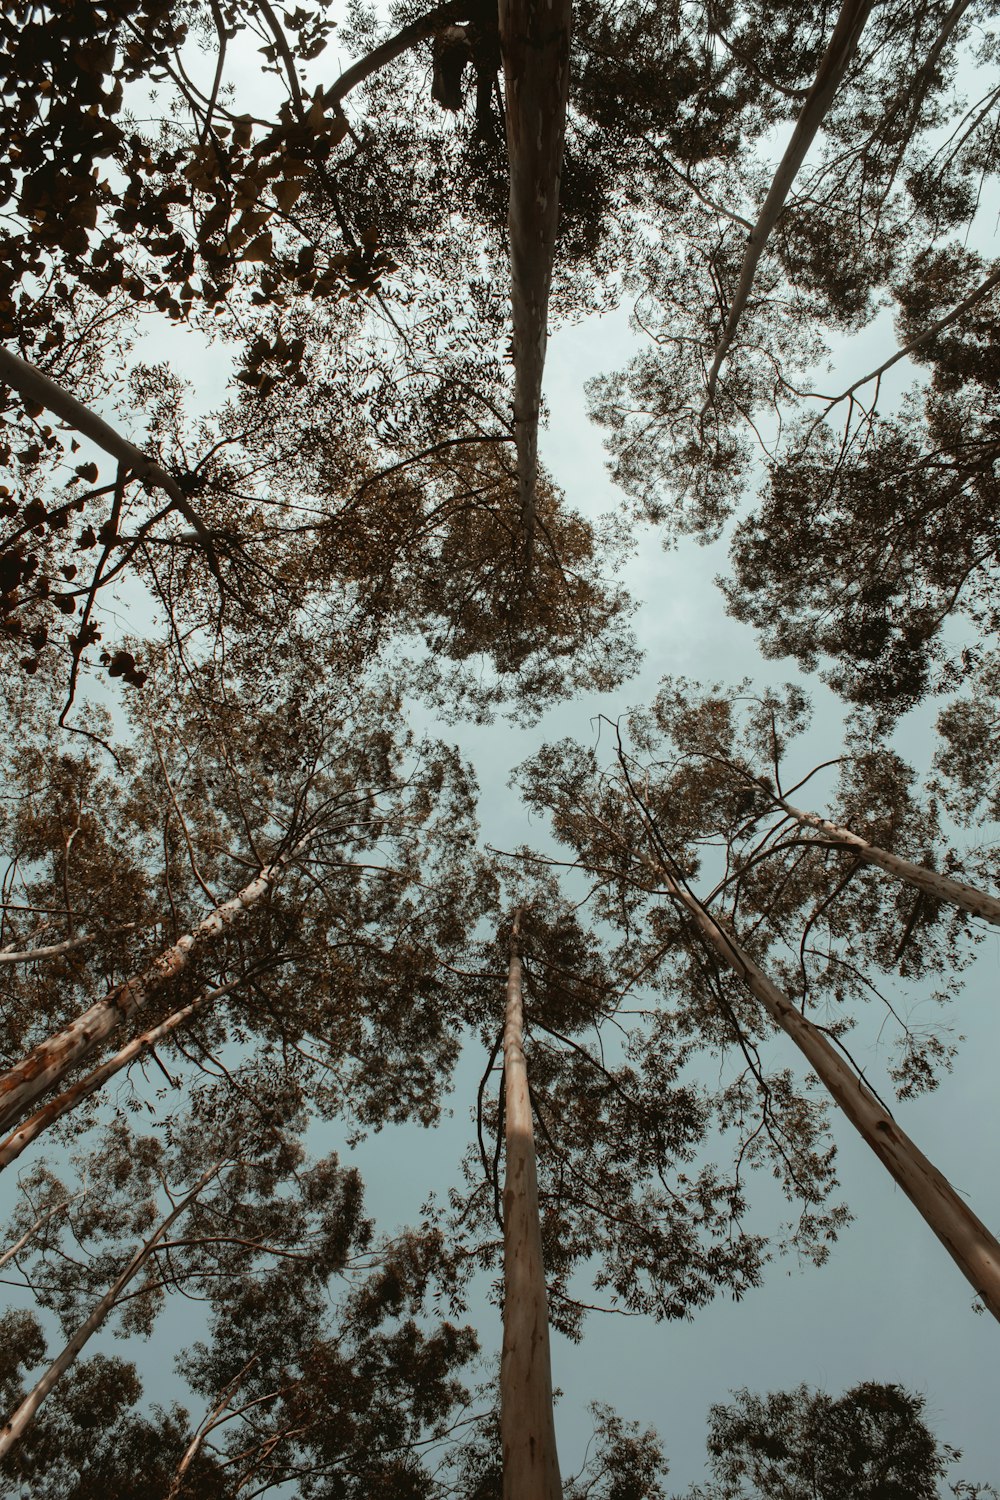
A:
[277,296]
[872,1443]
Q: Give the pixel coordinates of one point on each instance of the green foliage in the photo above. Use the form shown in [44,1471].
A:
[871,1443]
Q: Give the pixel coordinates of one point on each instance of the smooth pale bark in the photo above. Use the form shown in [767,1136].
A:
[39,387]
[52,1059]
[56,950]
[29,1130]
[834,64]
[527,1428]
[967,1240]
[14,1429]
[941,887]
[534,43]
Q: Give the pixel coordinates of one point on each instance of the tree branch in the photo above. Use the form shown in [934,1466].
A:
[836,59]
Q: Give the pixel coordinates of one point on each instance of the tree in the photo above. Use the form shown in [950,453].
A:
[19,1420]
[282,220]
[93,1441]
[835,559]
[276,884]
[617,825]
[636,1195]
[906,496]
[294,1388]
[535,45]
[871,1443]
[217,781]
[527,1431]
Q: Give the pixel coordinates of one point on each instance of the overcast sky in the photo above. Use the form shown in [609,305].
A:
[889,1305]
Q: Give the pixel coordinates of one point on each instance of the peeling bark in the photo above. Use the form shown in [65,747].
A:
[52,1059]
[534,42]
[29,1130]
[942,887]
[527,1428]
[17,1424]
[967,1240]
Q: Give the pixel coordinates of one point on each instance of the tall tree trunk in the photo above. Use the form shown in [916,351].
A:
[833,65]
[534,41]
[527,1428]
[966,1239]
[15,1427]
[49,1062]
[931,882]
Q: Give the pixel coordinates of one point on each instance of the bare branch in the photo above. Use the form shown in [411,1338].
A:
[834,64]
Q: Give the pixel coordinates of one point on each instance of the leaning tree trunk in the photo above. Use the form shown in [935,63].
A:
[527,1428]
[534,41]
[15,1427]
[833,65]
[967,1240]
[30,1129]
[931,882]
[50,1062]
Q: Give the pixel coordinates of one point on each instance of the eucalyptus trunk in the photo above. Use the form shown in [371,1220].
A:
[527,1427]
[30,1129]
[534,42]
[833,65]
[18,1422]
[931,882]
[967,1240]
[50,1062]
